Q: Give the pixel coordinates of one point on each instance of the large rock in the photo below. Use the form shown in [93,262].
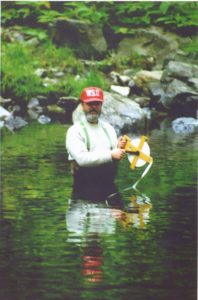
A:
[121,112]
[180,70]
[15,122]
[148,42]
[69,104]
[185,125]
[4,113]
[86,39]
[143,79]
[180,88]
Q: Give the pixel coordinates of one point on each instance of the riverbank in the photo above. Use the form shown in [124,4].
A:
[148,74]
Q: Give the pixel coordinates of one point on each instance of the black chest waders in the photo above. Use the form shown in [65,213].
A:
[95,183]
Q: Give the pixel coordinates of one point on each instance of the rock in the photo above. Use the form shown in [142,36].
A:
[50,81]
[119,79]
[143,80]
[149,76]
[33,42]
[69,104]
[179,70]
[122,90]
[55,109]
[2,123]
[4,113]
[4,101]
[121,112]
[34,102]
[86,39]
[172,90]
[185,125]
[149,42]
[134,89]
[59,74]
[149,62]
[44,119]
[34,113]
[41,72]
[180,88]
[193,82]
[156,89]
[44,100]
[13,123]
[9,120]
[55,112]
[12,34]
[34,108]
[142,101]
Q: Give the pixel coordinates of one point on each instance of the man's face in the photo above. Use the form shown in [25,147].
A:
[92,111]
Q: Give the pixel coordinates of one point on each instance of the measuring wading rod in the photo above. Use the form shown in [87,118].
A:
[138,155]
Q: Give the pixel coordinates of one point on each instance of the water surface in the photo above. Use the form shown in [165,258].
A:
[53,248]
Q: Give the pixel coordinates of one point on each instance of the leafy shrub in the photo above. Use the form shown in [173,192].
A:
[91,78]
[122,16]
[18,73]
[20,61]
[173,16]
[191,48]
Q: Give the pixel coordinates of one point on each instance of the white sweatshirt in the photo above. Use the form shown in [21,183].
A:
[100,146]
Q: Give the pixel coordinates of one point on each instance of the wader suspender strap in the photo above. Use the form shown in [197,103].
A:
[108,136]
[88,139]
[87,135]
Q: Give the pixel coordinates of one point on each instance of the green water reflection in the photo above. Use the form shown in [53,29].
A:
[52,248]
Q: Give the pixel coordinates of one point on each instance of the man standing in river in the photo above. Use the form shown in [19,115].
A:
[93,150]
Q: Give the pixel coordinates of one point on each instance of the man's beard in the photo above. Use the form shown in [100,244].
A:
[92,118]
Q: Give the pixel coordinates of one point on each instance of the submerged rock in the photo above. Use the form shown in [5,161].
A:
[185,125]
[44,119]
[15,122]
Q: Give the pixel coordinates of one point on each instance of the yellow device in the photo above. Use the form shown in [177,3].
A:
[138,150]
[138,154]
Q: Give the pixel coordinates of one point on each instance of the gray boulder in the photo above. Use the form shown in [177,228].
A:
[86,39]
[185,125]
[69,104]
[15,122]
[121,112]
[146,42]
[44,119]
[34,109]
[180,88]
[179,70]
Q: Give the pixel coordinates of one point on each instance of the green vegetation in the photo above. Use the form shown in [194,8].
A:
[20,80]
[122,16]
[20,60]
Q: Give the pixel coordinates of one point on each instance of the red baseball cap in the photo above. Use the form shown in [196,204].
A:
[91,94]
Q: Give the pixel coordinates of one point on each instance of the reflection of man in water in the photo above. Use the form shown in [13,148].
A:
[87,222]
[93,150]
[84,218]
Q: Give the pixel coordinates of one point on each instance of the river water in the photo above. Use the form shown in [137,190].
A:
[54,248]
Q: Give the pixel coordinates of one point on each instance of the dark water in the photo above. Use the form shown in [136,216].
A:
[53,249]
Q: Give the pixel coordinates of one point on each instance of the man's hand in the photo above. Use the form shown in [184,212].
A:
[121,142]
[117,154]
